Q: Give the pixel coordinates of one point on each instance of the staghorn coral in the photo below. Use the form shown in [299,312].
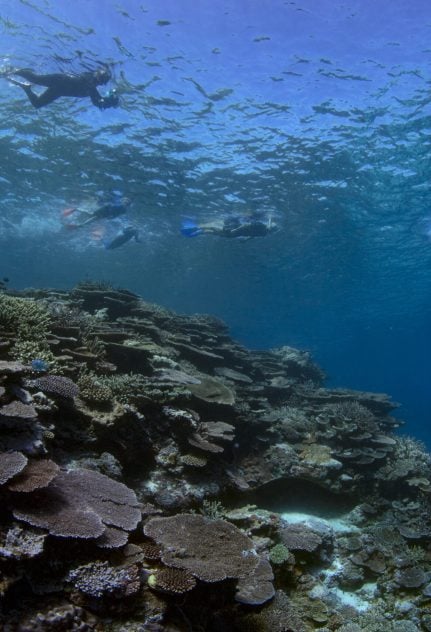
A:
[212,509]
[351,410]
[409,459]
[24,316]
[30,321]
[126,388]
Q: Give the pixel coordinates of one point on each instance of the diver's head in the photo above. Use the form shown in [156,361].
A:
[102,76]
[125,201]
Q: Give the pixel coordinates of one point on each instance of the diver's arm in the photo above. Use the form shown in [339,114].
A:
[234,232]
[96,98]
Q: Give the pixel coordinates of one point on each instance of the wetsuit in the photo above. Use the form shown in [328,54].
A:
[249,229]
[107,211]
[126,235]
[64,85]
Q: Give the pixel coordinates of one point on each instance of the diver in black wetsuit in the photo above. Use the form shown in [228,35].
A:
[66,85]
[234,227]
[110,210]
[128,233]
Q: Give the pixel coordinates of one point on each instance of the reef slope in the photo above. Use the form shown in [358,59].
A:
[157,475]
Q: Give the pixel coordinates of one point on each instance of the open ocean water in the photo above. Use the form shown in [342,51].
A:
[313,111]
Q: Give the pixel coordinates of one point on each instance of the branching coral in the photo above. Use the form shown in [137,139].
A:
[126,388]
[29,320]
[92,390]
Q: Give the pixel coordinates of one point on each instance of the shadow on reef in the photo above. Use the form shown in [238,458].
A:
[296,496]
[125,428]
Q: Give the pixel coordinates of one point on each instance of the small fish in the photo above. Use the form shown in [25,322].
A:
[39,365]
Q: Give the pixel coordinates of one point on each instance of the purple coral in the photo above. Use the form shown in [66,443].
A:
[81,504]
[100,579]
[56,385]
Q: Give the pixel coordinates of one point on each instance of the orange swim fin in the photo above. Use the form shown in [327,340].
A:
[68,211]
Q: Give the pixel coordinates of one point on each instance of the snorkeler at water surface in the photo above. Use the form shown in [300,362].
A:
[234,227]
[65,85]
[110,210]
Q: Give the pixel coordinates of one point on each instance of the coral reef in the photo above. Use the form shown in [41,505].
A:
[156,475]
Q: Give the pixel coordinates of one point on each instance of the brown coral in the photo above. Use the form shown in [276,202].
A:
[11,464]
[256,588]
[18,410]
[212,550]
[36,474]
[299,537]
[172,580]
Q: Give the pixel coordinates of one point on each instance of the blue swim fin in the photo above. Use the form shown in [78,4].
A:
[189,228]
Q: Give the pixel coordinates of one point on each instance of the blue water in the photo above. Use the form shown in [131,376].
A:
[316,112]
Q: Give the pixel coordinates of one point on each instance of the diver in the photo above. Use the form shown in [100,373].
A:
[110,210]
[128,233]
[65,85]
[245,227]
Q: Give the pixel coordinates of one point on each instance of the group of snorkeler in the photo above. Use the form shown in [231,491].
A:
[85,84]
[76,217]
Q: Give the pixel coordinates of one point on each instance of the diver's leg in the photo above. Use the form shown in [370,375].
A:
[90,218]
[39,100]
[40,80]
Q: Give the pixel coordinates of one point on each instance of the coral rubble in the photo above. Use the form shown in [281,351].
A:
[157,475]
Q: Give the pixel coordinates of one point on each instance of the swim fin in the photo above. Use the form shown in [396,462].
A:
[189,228]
